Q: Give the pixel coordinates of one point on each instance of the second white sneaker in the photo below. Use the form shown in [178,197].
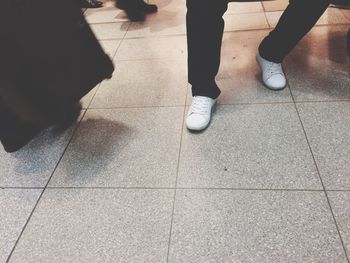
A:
[272,74]
[199,114]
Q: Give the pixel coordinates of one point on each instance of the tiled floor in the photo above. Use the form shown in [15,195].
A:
[269,181]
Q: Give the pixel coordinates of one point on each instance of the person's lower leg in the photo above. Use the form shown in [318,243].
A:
[205,27]
[297,20]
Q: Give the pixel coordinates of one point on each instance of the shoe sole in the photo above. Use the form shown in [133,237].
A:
[198,130]
[274,89]
[262,80]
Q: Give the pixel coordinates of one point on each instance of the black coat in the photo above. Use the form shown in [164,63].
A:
[49,57]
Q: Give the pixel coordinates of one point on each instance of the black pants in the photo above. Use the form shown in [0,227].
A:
[205,26]
[298,19]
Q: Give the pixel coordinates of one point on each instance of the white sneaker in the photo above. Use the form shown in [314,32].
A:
[272,74]
[199,114]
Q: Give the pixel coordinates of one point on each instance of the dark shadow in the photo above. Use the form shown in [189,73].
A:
[94,144]
[94,147]
[321,61]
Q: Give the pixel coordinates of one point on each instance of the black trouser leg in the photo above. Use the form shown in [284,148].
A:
[205,27]
[297,20]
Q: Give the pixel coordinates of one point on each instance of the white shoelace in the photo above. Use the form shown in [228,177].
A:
[274,69]
[200,105]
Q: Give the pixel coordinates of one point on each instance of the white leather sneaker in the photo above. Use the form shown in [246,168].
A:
[199,114]
[272,74]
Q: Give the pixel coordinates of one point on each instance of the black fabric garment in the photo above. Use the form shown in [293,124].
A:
[90,3]
[205,27]
[297,20]
[9,121]
[136,9]
[50,58]
[341,3]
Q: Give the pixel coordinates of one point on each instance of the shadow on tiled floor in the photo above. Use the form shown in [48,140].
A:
[267,182]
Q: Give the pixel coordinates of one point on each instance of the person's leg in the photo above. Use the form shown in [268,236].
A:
[341,3]
[136,9]
[90,4]
[297,20]
[205,26]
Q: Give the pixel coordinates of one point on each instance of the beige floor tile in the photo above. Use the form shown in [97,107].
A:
[327,127]
[243,8]
[175,24]
[340,202]
[240,22]
[249,146]
[347,13]
[254,226]
[107,14]
[134,147]
[333,16]
[110,47]
[144,83]
[276,5]
[173,47]
[273,17]
[108,31]
[15,208]
[98,226]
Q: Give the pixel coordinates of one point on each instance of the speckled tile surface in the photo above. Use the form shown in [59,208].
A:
[131,184]
[253,226]
[98,226]
[239,150]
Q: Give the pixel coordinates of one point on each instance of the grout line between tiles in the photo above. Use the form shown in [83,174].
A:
[177,175]
[172,188]
[320,177]
[341,11]
[191,188]
[93,96]
[182,58]
[21,188]
[322,101]
[267,20]
[43,190]
[112,58]
[136,107]
[221,104]
[180,106]
[226,31]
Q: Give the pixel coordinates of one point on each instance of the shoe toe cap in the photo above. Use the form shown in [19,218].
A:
[197,122]
[276,82]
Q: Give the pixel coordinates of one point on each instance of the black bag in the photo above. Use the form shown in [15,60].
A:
[49,56]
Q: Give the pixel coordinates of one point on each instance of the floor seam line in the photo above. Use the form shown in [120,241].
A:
[177,174]
[320,177]
[43,190]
